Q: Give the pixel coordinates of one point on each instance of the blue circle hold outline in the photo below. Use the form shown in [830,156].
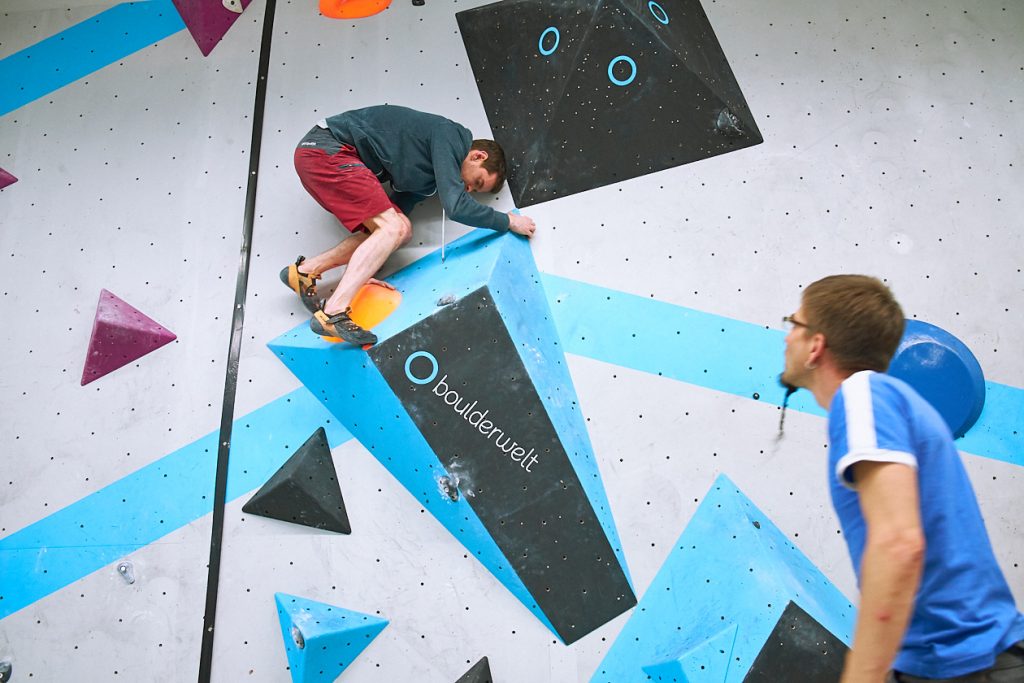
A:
[540,43]
[611,65]
[408,367]
[661,15]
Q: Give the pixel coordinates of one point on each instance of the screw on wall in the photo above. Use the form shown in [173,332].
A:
[300,641]
[728,124]
[450,487]
[127,571]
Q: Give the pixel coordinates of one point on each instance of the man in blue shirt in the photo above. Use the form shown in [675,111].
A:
[343,161]
[934,603]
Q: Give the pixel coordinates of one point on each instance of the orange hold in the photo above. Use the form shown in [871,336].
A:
[352,9]
[371,305]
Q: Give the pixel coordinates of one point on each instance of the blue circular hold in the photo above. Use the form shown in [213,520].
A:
[408,367]
[540,43]
[624,81]
[943,370]
[658,11]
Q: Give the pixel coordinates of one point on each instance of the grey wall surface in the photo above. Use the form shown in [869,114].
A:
[892,147]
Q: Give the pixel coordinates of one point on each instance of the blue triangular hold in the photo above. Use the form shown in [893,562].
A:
[708,662]
[322,640]
[731,566]
[468,401]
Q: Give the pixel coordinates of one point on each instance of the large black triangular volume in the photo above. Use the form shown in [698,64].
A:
[305,490]
[612,90]
[480,673]
[798,648]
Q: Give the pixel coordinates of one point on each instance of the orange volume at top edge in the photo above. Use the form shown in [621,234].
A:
[352,9]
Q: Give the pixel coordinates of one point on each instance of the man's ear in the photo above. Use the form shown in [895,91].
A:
[817,348]
[477,155]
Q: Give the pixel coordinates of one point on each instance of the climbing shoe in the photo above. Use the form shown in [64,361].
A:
[303,284]
[340,326]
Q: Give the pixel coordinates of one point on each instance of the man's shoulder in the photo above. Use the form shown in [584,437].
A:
[393,112]
[897,408]
[868,399]
[878,387]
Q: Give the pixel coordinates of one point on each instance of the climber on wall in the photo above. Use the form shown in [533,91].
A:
[344,161]
[934,603]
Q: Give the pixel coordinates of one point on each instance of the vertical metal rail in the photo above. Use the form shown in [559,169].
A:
[234,347]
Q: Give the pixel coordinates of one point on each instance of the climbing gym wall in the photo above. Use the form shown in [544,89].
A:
[562,461]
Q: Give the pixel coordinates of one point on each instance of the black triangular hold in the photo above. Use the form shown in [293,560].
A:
[305,490]
[480,673]
[798,647]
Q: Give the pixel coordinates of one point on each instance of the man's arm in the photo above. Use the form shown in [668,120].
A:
[451,189]
[890,567]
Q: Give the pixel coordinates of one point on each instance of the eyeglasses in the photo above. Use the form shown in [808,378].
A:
[793,322]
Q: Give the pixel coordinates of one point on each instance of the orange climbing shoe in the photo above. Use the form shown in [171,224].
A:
[303,284]
[340,326]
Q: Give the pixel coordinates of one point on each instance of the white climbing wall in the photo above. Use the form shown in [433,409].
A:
[892,146]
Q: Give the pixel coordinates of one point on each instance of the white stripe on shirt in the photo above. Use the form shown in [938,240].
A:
[860,414]
[875,455]
[861,437]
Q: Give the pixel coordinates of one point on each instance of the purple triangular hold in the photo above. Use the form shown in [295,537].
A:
[6,179]
[120,334]
[209,20]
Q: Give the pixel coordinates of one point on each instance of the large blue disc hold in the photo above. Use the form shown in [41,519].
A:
[943,370]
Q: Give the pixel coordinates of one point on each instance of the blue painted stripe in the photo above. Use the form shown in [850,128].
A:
[728,355]
[84,48]
[999,431]
[671,341]
[154,501]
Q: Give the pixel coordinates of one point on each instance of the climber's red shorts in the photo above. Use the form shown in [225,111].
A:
[342,184]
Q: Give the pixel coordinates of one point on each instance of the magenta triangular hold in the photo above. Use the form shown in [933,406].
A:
[6,179]
[209,20]
[120,334]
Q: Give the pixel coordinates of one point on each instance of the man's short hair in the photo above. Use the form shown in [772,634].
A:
[860,318]
[495,161]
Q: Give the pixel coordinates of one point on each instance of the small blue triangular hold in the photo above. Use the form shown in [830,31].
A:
[322,640]
[708,662]
[731,568]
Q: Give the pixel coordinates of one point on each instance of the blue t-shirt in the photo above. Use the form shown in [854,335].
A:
[964,614]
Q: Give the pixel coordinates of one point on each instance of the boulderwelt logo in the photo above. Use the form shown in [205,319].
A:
[467,409]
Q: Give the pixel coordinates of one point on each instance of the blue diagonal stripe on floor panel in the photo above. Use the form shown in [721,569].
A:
[84,48]
[154,501]
[614,327]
